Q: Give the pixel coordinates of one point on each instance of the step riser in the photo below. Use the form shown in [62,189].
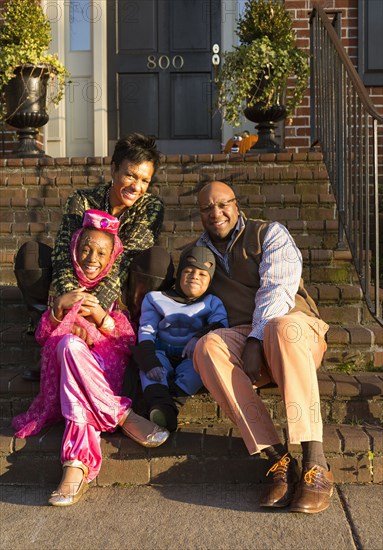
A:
[200,455]
[360,356]
[338,411]
[44,471]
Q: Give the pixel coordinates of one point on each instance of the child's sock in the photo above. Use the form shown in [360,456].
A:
[161,407]
[164,416]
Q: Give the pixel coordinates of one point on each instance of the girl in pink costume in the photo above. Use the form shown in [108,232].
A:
[84,356]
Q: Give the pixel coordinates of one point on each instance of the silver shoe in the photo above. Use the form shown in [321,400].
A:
[156,438]
[61,499]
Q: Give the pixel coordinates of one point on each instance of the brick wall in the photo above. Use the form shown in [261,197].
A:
[290,188]
[298,134]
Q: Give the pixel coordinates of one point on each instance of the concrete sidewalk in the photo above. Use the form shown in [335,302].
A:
[175,517]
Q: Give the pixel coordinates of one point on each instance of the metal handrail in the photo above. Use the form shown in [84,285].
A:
[349,129]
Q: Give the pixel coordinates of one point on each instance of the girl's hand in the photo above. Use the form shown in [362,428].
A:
[189,348]
[82,333]
[96,314]
[68,300]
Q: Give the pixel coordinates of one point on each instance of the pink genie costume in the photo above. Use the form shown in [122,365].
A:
[78,383]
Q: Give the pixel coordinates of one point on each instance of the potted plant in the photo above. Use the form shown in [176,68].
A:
[25,68]
[257,71]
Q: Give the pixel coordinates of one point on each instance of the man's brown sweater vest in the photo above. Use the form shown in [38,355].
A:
[237,289]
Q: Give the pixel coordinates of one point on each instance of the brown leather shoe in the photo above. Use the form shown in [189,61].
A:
[284,478]
[314,491]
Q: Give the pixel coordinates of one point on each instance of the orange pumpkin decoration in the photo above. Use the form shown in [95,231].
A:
[243,144]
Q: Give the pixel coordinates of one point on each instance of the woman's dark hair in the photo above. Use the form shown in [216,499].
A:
[136,148]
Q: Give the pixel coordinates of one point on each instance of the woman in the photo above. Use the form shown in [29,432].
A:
[134,163]
[82,371]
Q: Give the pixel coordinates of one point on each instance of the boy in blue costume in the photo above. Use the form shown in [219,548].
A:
[171,323]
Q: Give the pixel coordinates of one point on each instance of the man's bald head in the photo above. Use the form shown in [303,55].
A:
[219,209]
[214,187]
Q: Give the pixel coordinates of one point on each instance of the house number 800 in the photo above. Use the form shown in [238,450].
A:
[164,62]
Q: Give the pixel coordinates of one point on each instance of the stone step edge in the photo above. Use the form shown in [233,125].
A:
[331,385]
[304,155]
[193,454]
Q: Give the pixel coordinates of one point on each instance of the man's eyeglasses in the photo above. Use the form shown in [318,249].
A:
[206,208]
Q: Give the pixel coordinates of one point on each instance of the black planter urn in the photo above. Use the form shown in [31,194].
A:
[25,98]
[265,120]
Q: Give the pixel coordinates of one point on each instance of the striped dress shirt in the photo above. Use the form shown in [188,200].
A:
[280,271]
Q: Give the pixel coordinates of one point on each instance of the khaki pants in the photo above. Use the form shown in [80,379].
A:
[294,346]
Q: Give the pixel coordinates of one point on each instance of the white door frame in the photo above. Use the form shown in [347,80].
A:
[56,129]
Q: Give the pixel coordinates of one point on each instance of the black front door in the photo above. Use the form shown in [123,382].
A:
[160,72]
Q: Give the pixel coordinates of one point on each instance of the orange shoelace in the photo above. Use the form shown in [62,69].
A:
[310,475]
[284,461]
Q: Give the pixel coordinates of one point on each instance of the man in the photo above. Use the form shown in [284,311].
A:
[275,335]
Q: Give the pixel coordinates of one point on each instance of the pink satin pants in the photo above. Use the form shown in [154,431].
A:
[88,403]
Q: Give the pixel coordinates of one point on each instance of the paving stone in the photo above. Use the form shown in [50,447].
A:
[130,449]
[236,470]
[338,335]
[19,386]
[132,471]
[111,444]
[326,384]
[360,335]
[354,439]
[166,449]
[378,469]
[370,384]
[188,440]
[237,446]
[345,385]
[50,439]
[178,469]
[216,441]
[30,470]
[6,441]
[198,407]
[332,441]
[344,468]
[376,435]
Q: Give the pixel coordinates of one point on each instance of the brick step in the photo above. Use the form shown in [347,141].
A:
[350,348]
[353,338]
[344,398]
[353,347]
[326,294]
[196,453]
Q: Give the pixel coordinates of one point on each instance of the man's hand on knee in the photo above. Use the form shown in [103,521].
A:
[253,359]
